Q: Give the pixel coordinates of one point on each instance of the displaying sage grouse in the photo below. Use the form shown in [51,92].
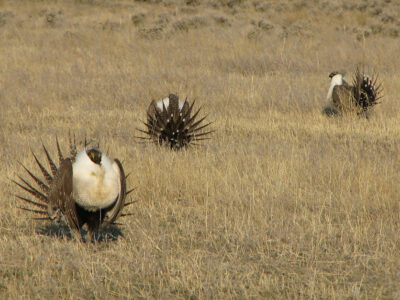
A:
[86,188]
[170,122]
[359,97]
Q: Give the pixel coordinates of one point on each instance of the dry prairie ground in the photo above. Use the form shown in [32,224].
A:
[282,203]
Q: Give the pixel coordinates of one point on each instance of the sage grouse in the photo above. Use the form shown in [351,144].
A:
[170,122]
[364,93]
[86,188]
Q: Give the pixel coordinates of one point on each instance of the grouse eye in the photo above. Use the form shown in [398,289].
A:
[94,155]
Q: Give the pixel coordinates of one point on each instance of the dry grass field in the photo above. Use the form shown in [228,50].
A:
[283,202]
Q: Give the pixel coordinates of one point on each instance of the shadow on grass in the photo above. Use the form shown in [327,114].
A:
[55,230]
[109,234]
[330,111]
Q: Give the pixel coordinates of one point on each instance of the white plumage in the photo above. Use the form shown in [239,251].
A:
[336,80]
[95,186]
[166,104]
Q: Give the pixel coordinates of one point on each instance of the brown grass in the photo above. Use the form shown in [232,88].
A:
[282,203]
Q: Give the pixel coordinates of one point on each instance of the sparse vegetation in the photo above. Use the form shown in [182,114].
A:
[282,203]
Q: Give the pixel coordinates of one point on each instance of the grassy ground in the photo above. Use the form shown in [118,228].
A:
[283,202]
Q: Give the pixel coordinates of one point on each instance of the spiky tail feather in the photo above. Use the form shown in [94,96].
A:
[173,125]
[40,193]
[367,90]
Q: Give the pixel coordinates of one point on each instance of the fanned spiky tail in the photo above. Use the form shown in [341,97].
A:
[169,122]
[367,90]
[41,192]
